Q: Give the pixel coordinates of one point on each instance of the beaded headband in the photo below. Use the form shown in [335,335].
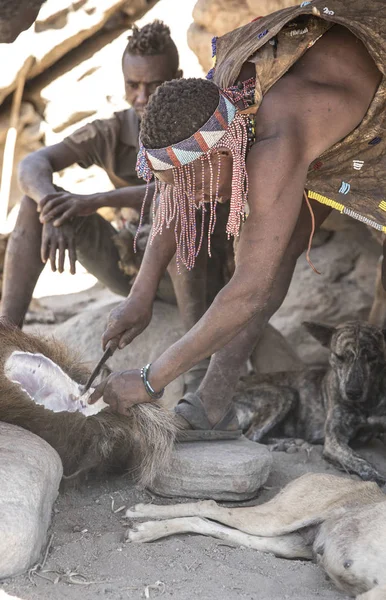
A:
[186,151]
[178,203]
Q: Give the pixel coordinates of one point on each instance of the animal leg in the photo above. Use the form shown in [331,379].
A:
[287,546]
[341,426]
[283,444]
[339,452]
[262,408]
[305,501]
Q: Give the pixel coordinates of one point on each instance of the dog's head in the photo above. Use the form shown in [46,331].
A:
[357,355]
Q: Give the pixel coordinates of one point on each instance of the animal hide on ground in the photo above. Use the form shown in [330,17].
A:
[52,374]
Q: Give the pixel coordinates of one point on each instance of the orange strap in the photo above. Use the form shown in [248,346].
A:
[312,234]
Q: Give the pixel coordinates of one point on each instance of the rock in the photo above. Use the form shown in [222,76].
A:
[30,473]
[84,333]
[260,8]
[274,353]
[226,470]
[217,17]
[59,30]
[342,292]
[199,41]
[95,71]
[221,16]
[137,9]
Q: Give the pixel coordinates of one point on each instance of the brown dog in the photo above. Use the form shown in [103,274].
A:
[334,406]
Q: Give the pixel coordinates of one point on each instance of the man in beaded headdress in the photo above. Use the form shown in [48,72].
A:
[313,130]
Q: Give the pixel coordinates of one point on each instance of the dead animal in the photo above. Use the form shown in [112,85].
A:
[335,405]
[39,377]
[339,522]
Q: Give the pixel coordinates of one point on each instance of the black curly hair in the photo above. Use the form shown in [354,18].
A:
[154,38]
[176,110]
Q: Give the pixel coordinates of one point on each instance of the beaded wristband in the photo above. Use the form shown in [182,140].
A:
[152,393]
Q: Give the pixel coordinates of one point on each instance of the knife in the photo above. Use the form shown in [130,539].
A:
[106,355]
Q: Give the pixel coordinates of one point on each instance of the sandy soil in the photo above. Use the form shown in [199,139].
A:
[88,527]
[88,541]
[88,557]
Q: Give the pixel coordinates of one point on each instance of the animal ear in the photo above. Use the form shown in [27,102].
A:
[42,379]
[322,333]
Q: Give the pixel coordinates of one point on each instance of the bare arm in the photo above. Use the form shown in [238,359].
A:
[130,196]
[35,178]
[290,135]
[37,169]
[133,315]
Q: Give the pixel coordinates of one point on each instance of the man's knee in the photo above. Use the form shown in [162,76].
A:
[28,205]
[27,219]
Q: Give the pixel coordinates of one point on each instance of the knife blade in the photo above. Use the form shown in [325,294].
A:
[106,355]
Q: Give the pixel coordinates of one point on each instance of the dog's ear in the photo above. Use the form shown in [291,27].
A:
[322,333]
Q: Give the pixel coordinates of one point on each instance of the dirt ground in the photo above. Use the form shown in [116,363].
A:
[88,541]
[89,558]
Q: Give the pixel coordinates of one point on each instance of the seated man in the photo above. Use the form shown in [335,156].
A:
[53,221]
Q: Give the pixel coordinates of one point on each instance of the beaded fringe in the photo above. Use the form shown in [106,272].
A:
[177,205]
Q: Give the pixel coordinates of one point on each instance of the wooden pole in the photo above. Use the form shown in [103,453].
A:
[10,143]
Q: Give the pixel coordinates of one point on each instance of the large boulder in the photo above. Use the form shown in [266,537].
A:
[57,31]
[344,290]
[217,17]
[221,16]
[30,473]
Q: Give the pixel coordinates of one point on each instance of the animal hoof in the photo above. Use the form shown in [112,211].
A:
[136,512]
[141,533]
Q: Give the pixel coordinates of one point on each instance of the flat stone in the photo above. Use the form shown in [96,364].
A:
[227,470]
[30,473]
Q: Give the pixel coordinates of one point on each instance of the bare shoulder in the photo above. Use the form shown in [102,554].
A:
[324,96]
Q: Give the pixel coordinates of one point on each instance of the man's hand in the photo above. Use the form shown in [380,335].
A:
[121,391]
[55,242]
[127,321]
[62,206]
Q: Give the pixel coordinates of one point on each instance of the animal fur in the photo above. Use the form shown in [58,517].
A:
[334,406]
[142,440]
[339,522]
